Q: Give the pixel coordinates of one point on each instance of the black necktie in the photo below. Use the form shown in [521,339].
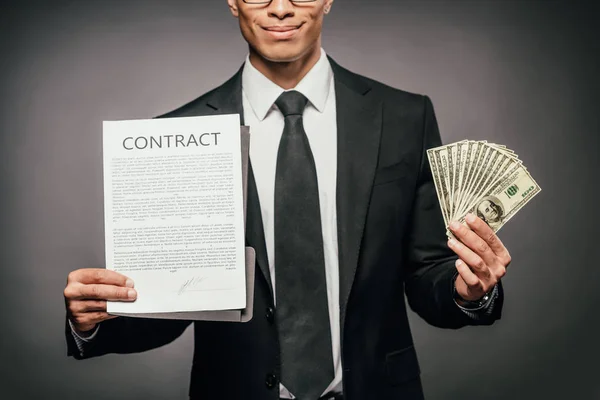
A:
[300,285]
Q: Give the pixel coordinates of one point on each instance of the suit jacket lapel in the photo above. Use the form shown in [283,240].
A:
[227,99]
[359,119]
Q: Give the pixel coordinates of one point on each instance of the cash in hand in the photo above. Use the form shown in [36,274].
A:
[482,178]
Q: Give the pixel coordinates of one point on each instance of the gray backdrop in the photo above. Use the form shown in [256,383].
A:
[521,73]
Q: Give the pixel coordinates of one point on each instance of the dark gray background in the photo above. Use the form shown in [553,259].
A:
[520,73]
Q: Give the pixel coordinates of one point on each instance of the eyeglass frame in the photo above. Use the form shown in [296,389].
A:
[254,2]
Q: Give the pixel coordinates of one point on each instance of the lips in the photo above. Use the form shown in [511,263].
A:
[282,31]
[281,28]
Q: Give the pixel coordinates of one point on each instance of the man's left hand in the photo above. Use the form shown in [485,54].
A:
[482,258]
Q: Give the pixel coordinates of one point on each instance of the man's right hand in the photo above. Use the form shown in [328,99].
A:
[88,290]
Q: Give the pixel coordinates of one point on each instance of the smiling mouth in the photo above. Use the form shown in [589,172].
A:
[282,32]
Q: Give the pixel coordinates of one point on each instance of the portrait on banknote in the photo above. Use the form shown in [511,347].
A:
[490,210]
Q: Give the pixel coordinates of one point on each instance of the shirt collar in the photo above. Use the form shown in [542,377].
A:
[262,92]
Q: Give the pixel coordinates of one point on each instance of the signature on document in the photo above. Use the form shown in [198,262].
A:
[190,284]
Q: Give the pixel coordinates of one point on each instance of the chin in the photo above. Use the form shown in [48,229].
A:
[284,50]
[281,53]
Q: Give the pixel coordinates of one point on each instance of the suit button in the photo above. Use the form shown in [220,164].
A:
[270,314]
[271,381]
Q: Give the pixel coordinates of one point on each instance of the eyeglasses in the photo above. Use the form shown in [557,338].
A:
[269,1]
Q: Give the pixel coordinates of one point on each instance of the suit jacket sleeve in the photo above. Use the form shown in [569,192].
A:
[126,335]
[431,272]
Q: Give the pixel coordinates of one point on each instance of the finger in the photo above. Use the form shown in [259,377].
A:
[486,233]
[467,275]
[100,316]
[499,271]
[87,319]
[473,242]
[84,306]
[468,286]
[476,263]
[100,276]
[104,292]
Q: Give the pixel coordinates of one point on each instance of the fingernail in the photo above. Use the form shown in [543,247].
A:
[470,217]
[129,283]
[452,242]
[131,294]
[458,262]
[454,225]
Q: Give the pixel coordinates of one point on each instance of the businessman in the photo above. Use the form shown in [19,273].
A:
[344,218]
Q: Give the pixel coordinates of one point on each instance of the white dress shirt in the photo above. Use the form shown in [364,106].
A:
[266,127]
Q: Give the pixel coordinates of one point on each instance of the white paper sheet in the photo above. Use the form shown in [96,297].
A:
[174,212]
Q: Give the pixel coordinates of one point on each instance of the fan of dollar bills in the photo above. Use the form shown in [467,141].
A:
[482,178]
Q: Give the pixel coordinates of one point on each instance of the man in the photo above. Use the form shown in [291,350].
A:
[344,218]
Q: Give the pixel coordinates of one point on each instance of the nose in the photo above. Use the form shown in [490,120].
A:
[281,9]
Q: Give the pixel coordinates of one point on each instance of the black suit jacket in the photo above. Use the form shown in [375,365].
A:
[391,242]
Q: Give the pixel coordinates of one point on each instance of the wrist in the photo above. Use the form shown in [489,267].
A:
[476,304]
[84,332]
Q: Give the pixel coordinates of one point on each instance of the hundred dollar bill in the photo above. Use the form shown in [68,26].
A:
[505,199]
[480,170]
[436,174]
[469,176]
[439,156]
[498,166]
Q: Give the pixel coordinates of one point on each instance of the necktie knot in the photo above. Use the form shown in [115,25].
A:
[291,103]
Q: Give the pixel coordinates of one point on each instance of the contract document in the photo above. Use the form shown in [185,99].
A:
[174,213]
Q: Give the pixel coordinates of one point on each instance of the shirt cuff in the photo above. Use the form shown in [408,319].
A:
[81,338]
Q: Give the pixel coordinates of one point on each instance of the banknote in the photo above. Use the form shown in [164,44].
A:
[486,179]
